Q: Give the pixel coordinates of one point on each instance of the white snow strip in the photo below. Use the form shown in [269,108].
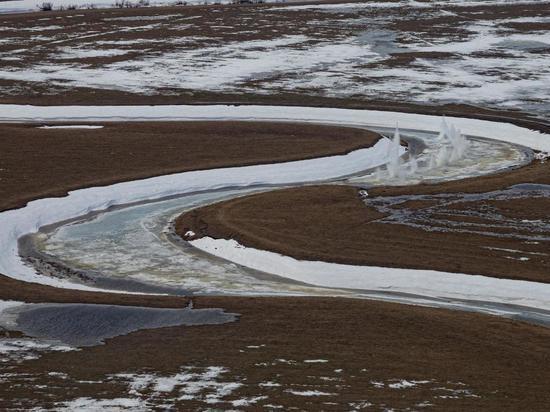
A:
[404,384]
[139,18]
[269,384]
[75,126]
[7,304]
[419,282]
[91,405]
[41,28]
[310,393]
[339,7]
[70,53]
[248,401]
[506,132]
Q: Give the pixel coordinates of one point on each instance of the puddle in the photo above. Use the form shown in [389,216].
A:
[523,45]
[382,42]
[89,325]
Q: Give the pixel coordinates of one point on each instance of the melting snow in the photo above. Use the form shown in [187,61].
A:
[309,393]
[76,126]
[70,53]
[189,233]
[403,384]
[23,349]
[113,405]
[199,384]
[269,384]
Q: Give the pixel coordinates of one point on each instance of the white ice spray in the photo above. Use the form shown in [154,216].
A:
[452,146]
[394,166]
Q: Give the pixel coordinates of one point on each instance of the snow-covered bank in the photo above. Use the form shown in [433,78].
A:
[429,283]
[74,126]
[506,132]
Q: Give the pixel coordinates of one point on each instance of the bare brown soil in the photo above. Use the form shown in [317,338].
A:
[38,163]
[523,208]
[331,223]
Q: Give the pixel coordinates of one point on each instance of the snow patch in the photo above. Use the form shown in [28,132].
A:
[310,393]
[404,384]
[269,384]
[97,405]
[542,156]
[192,383]
[70,53]
[75,126]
